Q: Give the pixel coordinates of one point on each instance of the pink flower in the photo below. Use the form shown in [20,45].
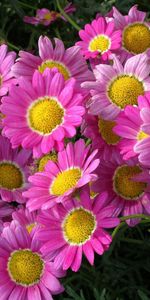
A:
[26,273]
[14,171]
[41,114]
[78,228]
[117,86]
[99,39]
[69,63]
[102,136]
[6,76]
[127,185]
[74,169]
[26,218]
[135,32]
[130,127]
[45,17]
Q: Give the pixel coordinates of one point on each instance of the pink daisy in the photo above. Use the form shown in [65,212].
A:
[135,32]
[99,39]
[103,138]
[25,218]
[70,62]
[45,17]
[74,169]
[130,124]
[6,62]
[78,228]
[26,273]
[117,86]
[127,185]
[14,171]
[39,116]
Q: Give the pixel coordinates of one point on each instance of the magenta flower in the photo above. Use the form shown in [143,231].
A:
[6,76]
[26,273]
[41,114]
[135,32]
[103,138]
[117,86]
[14,171]
[99,39]
[127,185]
[45,17]
[69,63]
[77,229]
[25,218]
[130,127]
[74,169]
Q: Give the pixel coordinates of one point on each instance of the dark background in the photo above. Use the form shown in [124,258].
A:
[123,273]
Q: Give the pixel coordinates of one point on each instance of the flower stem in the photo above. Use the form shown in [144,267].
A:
[137,216]
[12,46]
[124,218]
[70,20]
[27,5]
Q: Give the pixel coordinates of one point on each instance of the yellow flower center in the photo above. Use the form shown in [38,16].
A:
[25,267]
[142,135]
[100,43]
[78,226]
[106,131]
[11,177]
[65,181]
[136,38]
[55,64]
[45,115]
[125,90]
[124,185]
[30,227]
[1,80]
[44,160]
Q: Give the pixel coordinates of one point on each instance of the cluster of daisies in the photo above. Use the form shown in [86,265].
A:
[74,150]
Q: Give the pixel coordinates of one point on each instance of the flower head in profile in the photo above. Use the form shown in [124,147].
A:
[135,32]
[45,17]
[27,273]
[102,136]
[6,62]
[77,229]
[117,86]
[127,184]
[41,114]
[133,126]
[69,62]
[74,168]
[26,218]
[14,171]
[99,39]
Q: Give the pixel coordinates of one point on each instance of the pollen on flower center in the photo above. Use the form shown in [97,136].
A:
[25,267]
[44,160]
[10,176]
[125,186]
[65,181]
[106,131]
[136,38]
[30,227]
[78,226]
[125,90]
[45,115]
[55,64]
[142,135]
[100,43]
